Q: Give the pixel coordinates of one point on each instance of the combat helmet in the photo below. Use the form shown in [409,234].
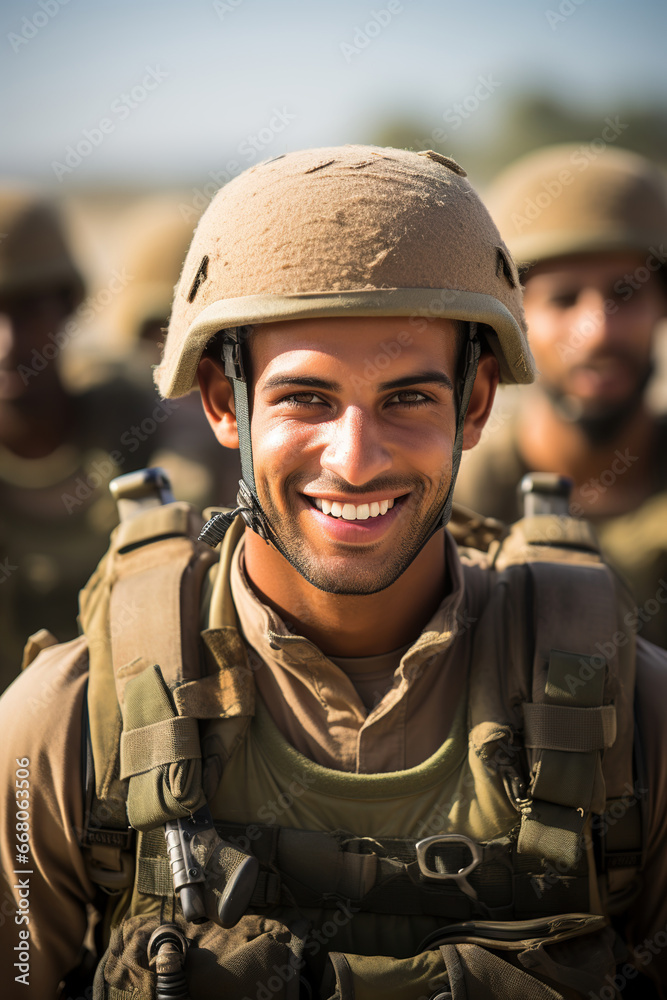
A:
[570,199]
[155,240]
[343,231]
[33,250]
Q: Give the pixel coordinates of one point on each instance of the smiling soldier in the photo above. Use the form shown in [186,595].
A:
[589,234]
[344,758]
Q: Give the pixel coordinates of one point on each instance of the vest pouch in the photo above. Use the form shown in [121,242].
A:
[376,977]
[576,958]
[259,958]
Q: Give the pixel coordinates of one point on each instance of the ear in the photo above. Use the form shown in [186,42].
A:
[218,399]
[481,400]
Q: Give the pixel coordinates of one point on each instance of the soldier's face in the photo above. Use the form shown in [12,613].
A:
[28,324]
[591,322]
[353,424]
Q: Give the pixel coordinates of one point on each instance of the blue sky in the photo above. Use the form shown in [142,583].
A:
[239,80]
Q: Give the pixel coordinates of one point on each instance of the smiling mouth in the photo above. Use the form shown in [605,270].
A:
[353,512]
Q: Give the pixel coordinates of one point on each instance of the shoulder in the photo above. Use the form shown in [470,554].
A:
[47,698]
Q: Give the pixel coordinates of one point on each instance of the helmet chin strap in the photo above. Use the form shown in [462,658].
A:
[249,506]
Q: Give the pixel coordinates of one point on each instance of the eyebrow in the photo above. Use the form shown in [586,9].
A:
[418,378]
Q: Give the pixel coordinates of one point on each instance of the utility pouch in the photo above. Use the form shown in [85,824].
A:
[375,977]
[558,958]
[258,957]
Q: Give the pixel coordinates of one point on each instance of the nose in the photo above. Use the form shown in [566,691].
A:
[356,451]
[7,337]
[591,320]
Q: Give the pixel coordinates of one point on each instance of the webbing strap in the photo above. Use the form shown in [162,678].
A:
[562,727]
[163,742]
[315,869]
[154,877]
[473,351]
[567,724]
[232,355]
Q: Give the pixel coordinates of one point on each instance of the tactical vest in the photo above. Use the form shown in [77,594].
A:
[491,869]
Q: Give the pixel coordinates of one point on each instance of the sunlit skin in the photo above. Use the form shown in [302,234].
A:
[591,333]
[327,425]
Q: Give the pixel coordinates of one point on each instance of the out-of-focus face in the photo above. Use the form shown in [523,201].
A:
[353,426]
[591,321]
[29,323]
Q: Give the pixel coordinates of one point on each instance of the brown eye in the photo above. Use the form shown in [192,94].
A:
[303,399]
[408,397]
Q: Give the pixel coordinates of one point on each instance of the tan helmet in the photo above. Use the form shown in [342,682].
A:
[353,231]
[571,198]
[33,250]
[155,239]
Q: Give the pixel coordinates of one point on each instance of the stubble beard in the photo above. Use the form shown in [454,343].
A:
[327,574]
[599,420]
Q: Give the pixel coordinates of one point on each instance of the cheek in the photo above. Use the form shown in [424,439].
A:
[546,333]
[279,444]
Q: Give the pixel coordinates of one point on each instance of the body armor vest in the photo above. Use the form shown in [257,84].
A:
[482,865]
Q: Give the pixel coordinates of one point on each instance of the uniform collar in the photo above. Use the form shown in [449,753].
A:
[279,643]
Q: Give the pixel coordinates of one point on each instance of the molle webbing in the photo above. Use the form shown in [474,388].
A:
[577,715]
[318,870]
[153,563]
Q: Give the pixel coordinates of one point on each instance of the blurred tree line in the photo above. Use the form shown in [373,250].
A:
[487,139]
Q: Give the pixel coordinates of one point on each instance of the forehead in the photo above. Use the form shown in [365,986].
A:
[582,268]
[378,342]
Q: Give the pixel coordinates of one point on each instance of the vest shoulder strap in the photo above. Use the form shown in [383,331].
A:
[573,685]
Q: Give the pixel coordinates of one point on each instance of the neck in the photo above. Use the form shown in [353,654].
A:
[609,478]
[350,625]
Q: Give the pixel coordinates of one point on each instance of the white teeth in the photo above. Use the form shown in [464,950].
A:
[350,511]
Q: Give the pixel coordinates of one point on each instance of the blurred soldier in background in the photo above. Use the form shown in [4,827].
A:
[590,234]
[154,243]
[58,450]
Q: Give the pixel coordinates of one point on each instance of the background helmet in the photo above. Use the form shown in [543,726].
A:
[33,252]
[566,200]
